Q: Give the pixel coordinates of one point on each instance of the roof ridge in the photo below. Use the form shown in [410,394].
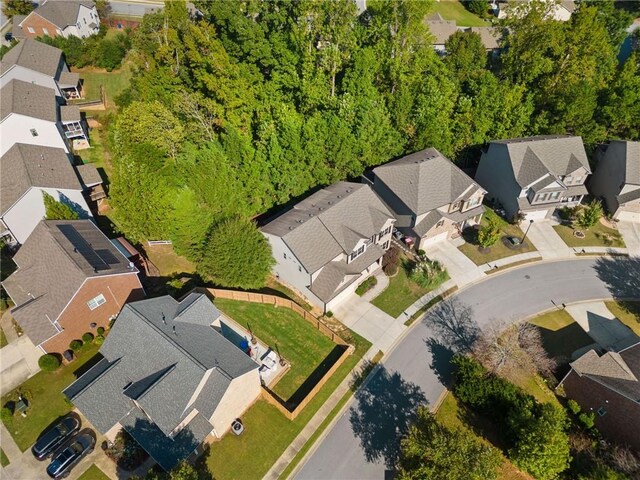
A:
[109,367]
[166,372]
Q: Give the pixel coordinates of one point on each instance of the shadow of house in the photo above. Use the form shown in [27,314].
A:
[385,408]
[610,334]
[75,206]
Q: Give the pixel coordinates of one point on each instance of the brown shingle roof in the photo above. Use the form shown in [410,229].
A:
[34,55]
[24,166]
[62,13]
[28,99]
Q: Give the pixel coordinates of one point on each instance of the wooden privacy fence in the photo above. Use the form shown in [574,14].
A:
[278,302]
[276,401]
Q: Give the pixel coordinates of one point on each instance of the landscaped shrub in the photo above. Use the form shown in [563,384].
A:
[573,407]
[587,419]
[126,452]
[75,345]
[367,285]
[6,414]
[489,234]
[428,273]
[391,260]
[49,362]
[99,340]
[87,337]
[589,215]
[329,314]
[100,330]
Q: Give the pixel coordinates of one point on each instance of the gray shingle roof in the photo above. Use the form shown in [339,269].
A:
[488,35]
[70,113]
[34,55]
[533,157]
[427,223]
[69,79]
[164,376]
[617,371]
[330,222]
[73,250]
[425,180]
[62,13]
[17,29]
[632,174]
[24,166]
[89,175]
[28,99]
[440,28]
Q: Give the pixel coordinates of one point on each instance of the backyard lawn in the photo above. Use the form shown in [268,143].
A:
[561,335]
[114,82]
[168,262]
[93,473]
[596,236]
[267,432]
[499,250]
[46,401]
[401,292]
[453,10]
[4,460]
[303,346]
[96,155]
[3,339]
[628,313]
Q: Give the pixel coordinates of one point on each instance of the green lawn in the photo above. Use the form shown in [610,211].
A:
[401,292]
[3,339]
[596,236]
[4,460]
[303,346]
[93,473]
[628,313]
[561,335]
[499,250]
[268,433]
[453,10]
[168,262]
[96,155]
[47,403]
[114,82]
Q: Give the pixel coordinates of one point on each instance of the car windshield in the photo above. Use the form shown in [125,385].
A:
[63,429]
[77,447]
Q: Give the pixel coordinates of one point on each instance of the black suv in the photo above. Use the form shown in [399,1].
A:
[52,439]
[81,445]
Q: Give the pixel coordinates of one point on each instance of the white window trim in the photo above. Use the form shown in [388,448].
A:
[96,301]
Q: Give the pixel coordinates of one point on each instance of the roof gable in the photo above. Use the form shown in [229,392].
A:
[33,55]
[62,13]
[28,99]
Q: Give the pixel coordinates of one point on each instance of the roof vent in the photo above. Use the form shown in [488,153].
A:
[290,227]
[339,196]
[329,202]
[321,208]
[174,330]
[310,214]
[164,320]
[348,190]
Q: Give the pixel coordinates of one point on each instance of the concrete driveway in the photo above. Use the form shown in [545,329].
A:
[546,240]
[461,270]
[369,321]
[18,361]
[601,325]
[630,232]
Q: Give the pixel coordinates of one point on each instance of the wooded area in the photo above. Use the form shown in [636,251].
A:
[257,103]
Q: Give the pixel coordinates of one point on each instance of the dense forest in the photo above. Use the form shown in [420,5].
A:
[256,103]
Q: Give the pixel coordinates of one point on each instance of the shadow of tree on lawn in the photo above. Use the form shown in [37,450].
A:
[385,408]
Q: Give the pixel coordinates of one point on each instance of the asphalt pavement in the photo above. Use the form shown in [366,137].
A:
[363,444]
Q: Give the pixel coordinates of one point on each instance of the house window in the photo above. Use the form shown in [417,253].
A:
[440,223]
[554,196]
[455,206]
[602,411]
[96,302]
[299,268]
[386,245]
[45,31]
[31,30]
[578,180]
[85,20]
[568,179]
[541,198]
[34,132]
[355,254]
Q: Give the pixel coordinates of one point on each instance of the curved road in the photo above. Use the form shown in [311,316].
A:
[366,434]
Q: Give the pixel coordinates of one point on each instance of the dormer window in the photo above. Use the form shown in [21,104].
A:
[568,179]
[356,253]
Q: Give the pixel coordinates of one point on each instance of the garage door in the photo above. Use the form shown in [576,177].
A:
[430,241]
[539,215]
[626,216]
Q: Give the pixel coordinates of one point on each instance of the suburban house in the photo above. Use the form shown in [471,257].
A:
[442,29]
[431,198]
[35,62]
[70,280]
[561,12]
[617,179]
[609,386]
[188,382]
[29,114]
[327,244]
[27,172]
[77,18]
[535,175]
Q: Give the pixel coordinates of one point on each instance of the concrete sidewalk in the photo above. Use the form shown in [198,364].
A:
[546,240]
[18,359]
[601,325]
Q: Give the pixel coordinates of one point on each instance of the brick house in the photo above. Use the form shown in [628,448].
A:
[609,386]
[432,199]
[78,18]
[70,280]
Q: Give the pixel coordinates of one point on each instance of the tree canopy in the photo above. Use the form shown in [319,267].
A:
[55,210]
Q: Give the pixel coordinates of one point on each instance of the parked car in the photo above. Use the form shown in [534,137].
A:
[52,439]
[62,463]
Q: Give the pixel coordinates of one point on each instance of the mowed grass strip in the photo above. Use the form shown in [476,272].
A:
[47,402]
[302,345]
[596,236]
[93,473]
[454,10]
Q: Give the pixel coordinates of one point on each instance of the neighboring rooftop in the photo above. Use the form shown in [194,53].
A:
[618,372]
[440,28]
[534,157]
[330,222]
[28,99]
[186,365]
[70,113]
[53,263]
[34,55]
[488,35]
[24,166]
[425,180]
[89,175]
[62,13]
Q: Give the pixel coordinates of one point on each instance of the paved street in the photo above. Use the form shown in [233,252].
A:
[364,439]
